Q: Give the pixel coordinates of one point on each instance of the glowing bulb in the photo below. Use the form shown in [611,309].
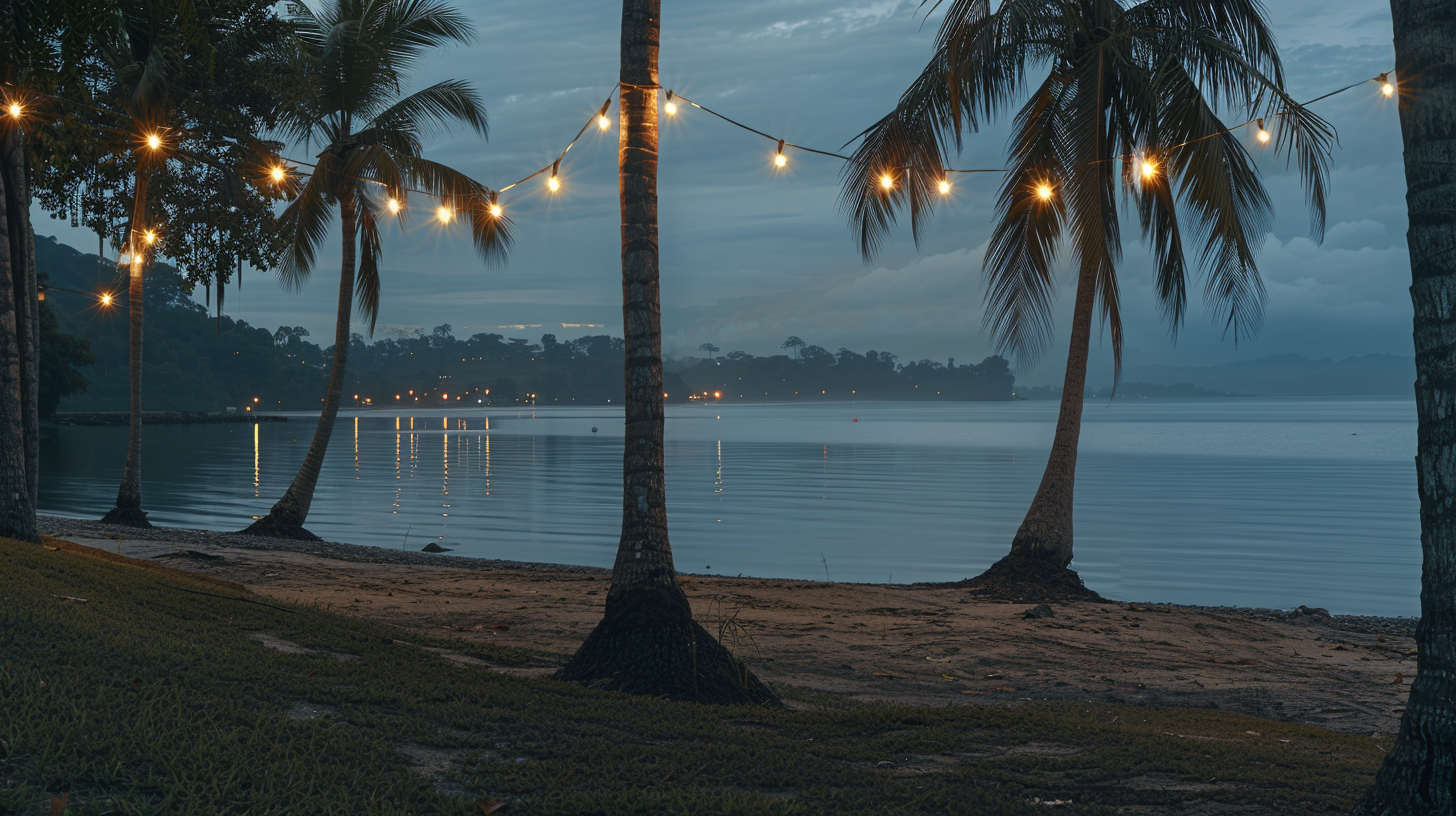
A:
[887,181]
[444,214]
[553,183]
[1044,192]
[150,237]
[672,109]
[276,174]
[495,210]
[1262,135]
[1387,89]
[154,141]
[106,299]
[603,122]
[945,186]
[1150,168]
[780,160]
[394,205]
[15,110]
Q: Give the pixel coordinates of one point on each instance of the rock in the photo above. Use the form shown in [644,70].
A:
[432,547]
[1042,611]
[1308,611]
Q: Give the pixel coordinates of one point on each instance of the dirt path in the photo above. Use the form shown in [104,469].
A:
[919,645]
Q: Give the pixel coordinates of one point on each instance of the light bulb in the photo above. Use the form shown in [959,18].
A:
[15,110]
[1387,89]
[154,141]
[945,186]
[671,109]
[276,173]
[603,122]
[887,181]
[553,183]
[150,237]
[444,214]
[106,299]
[1044,192]
[780,160]
[1150,168]
[394,205]
[495,210]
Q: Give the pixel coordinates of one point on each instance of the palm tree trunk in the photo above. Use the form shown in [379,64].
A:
[647,641]
[128,509]
[17,514]
[1046,531]
[286,518]
[27,309]
[1418,775]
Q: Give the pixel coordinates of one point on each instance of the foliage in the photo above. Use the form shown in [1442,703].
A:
[1127,87]
[60,355]
[207,76]
[816,373]
[146,697]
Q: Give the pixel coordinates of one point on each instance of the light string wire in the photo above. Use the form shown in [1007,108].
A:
[279,172]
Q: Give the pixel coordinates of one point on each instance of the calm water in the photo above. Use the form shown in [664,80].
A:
[1254,502]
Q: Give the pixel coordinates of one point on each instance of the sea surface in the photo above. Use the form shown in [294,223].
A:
[1244,502]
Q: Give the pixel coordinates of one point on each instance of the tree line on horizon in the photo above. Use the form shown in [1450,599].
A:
[171,106]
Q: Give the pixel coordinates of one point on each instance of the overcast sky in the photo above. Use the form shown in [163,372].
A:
[751,256]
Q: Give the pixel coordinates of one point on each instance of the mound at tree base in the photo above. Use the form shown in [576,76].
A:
[270,527]
[1029,580]
[658,650]
[127,517]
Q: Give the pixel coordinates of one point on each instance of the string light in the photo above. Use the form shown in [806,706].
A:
[1044,192]
[1385,85]
[495,210]
[602,121]
[15,110]
[945,186]
[494,207]
[394,205]
[887,181]
[154,141]
[1261,134]
[1149,168]
[444,214]
[554,183]
[780,160]
[671,106]
[276,174]
[149,236]
[105,299]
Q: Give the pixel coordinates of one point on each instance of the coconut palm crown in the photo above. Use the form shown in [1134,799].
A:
[358,54]
[1127,111]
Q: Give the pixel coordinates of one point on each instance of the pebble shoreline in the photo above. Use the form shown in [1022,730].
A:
[61,527]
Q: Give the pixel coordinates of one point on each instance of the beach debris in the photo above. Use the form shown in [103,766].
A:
[1399,678]
[1041,611]
[884,763]
[432,547]
[949,676]
[886,674]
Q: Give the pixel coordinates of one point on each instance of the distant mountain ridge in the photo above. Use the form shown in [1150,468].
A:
[1290,375]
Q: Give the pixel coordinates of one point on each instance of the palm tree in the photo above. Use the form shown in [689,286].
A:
[793,345]
[359,51]
[1417,775]
[1128,106]
[647,641]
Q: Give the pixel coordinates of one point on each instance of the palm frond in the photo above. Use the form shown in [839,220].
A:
[304,224]
[435,107]
[405,30]
[366,280]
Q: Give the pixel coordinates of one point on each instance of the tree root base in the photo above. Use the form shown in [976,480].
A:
[269,527]
[1029,580]
[127,517]
[663,653]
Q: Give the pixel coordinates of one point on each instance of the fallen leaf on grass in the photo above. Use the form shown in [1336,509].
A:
[488,806]
[58,803]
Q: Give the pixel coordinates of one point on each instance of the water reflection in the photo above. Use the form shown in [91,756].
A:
[1252,502]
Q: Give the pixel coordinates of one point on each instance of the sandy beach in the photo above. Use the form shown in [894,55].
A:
[916,644]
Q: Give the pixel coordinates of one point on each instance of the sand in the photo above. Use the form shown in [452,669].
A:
[921,644]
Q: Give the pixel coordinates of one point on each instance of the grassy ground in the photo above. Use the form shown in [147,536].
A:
[148,698]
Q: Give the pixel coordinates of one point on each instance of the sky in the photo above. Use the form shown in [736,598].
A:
[751,255]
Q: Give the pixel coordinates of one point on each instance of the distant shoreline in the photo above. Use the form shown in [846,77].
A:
[111,418]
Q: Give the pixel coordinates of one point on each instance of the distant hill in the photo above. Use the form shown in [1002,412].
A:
[1290,375]
[1131,390]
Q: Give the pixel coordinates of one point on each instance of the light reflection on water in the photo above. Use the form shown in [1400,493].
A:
[1256,502]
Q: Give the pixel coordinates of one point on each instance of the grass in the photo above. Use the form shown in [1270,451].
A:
[145,699]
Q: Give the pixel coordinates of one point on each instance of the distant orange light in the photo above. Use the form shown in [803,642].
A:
[717,395]
[255,400]
[444,396]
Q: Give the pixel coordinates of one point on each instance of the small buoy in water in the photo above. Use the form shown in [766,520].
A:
[856,419]
[594,429]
